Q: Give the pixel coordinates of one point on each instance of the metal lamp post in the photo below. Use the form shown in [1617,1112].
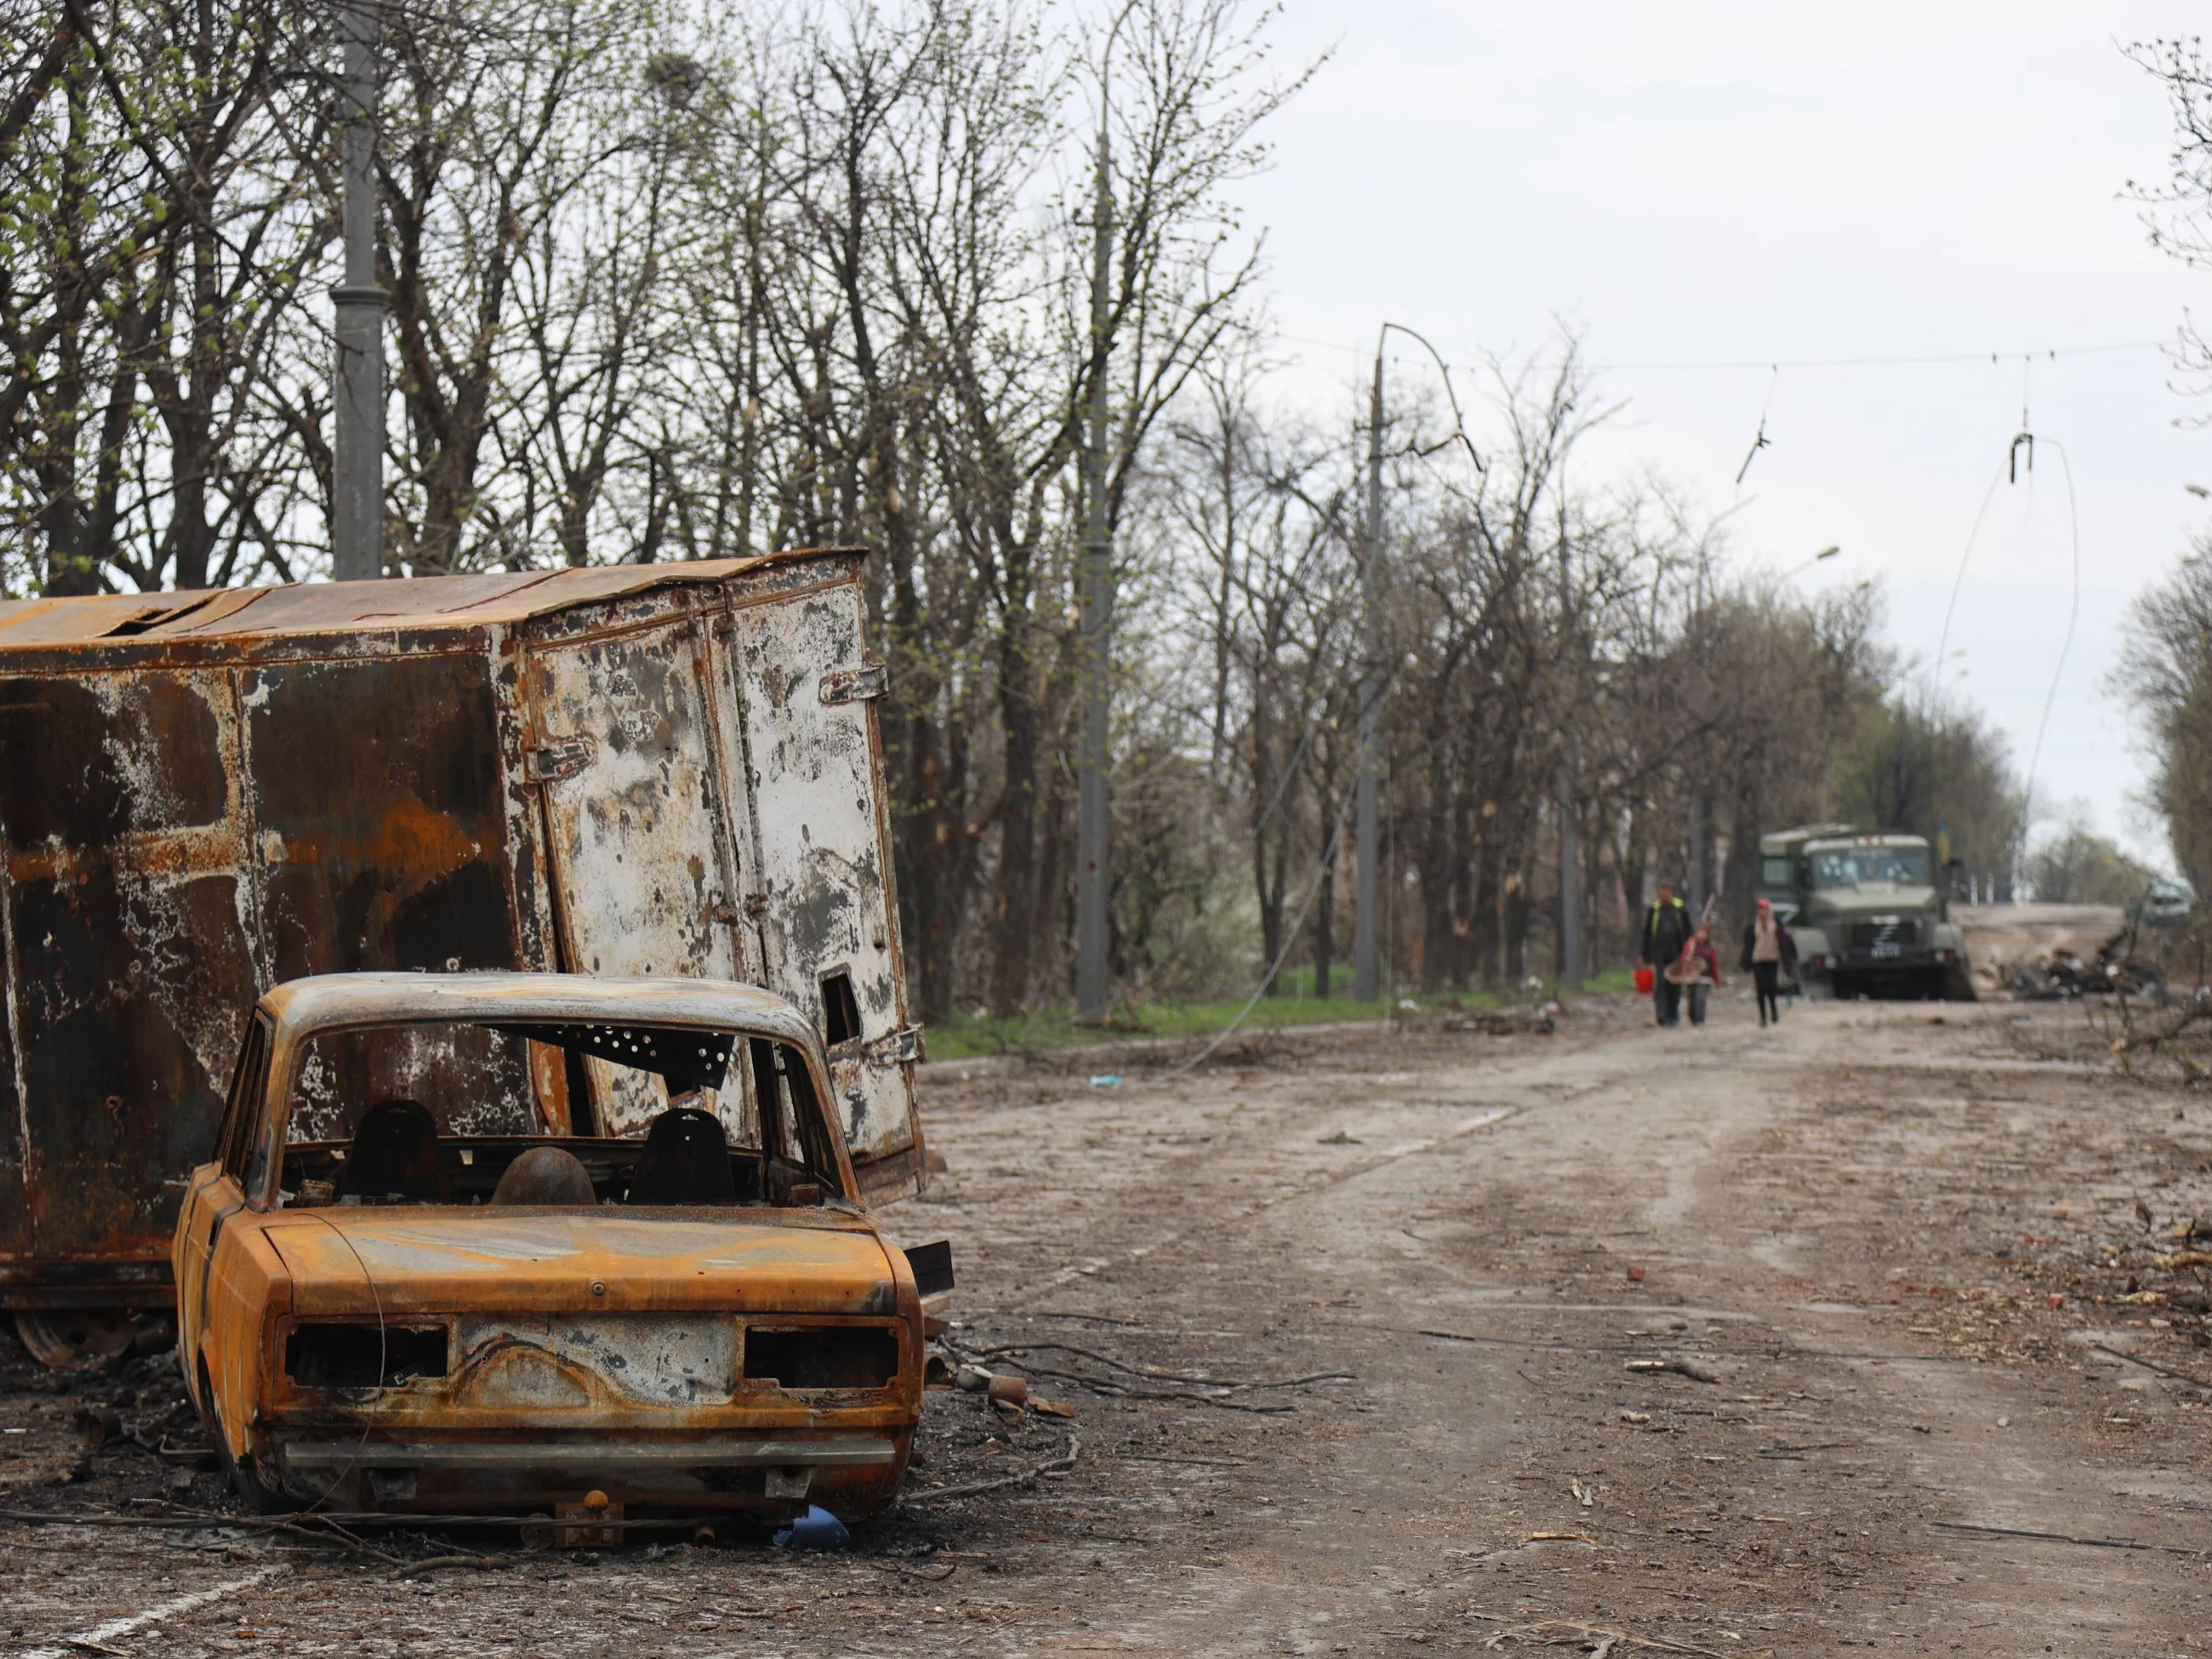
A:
[357,391]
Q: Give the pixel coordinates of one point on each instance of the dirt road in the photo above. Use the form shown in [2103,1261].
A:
[1846,1238]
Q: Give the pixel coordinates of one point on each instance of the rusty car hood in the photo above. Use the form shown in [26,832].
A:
[440,1260]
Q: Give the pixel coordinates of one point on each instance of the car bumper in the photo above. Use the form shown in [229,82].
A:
[584,1456]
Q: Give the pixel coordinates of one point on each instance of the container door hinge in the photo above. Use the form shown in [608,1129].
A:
[562,758]
[860,684]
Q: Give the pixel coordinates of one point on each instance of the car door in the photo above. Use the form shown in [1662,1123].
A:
[216,1192]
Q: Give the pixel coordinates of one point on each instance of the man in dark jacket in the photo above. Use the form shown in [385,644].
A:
[1665,930]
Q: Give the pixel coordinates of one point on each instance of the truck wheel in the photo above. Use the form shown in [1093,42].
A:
[70,1336]
[1958,983]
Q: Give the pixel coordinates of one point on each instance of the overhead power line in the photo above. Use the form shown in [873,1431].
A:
[1904,360]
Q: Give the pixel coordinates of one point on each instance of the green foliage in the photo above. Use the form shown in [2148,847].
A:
[2166,671]
[2078,866]
[1917,767]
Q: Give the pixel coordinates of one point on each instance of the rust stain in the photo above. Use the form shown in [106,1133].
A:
[752,1355]
[202,795]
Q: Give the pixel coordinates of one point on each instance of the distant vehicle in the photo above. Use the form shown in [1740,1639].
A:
[2166,903]
[1868,913]
[416,1277]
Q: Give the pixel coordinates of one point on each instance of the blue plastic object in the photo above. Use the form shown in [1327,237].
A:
[1106,1080]
[817,1529]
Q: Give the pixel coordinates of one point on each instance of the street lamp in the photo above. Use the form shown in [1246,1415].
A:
[1821,557]
[1366,979]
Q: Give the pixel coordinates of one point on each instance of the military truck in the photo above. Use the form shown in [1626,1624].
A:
[1870,914]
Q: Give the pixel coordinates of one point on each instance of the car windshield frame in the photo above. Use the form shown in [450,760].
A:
[290,1047]
[1864,858]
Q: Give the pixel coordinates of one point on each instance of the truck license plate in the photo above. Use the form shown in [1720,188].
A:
[1881,950]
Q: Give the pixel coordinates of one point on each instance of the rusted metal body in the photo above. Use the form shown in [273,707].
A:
[448,1347]
[659,769]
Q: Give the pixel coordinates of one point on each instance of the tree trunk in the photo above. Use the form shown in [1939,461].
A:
[1014,922]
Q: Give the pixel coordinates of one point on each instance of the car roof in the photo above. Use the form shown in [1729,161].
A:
[1896,839]
[327,1000]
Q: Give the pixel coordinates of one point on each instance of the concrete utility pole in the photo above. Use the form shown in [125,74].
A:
[357,391]
[1092,868]
[1366,979]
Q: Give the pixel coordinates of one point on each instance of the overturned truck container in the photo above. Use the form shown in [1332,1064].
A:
[639,770]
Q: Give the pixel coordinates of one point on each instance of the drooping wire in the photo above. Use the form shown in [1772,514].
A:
[1760,440]
[2073,617]
[1290,939]
[1943,640]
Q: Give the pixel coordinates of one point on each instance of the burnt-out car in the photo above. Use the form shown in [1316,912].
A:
[514,1243]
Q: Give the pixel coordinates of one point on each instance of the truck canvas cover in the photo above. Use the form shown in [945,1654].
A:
[642,770]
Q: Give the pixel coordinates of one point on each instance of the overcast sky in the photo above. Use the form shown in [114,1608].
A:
[1710,183]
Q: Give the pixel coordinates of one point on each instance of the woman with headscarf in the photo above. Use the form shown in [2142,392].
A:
[1768,953]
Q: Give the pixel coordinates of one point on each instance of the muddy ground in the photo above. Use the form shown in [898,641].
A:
[1926,1294]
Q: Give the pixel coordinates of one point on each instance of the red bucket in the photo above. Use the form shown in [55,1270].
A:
[1645,979]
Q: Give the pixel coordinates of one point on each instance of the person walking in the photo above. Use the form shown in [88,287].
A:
[1696,970]
[1769,952]
[1665,931]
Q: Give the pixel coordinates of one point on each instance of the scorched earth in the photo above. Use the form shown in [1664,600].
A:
[1878,1331]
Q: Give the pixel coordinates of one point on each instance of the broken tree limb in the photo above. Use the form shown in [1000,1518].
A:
[1695,1370]
[204,1523]
[2066,1538]
[1115,1390]
[976,1489]
[1608,1634]
[440,1563]
[2151,1365]
[1155,1373]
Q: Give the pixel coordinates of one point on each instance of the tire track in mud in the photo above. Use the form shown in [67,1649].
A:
[1602,1048]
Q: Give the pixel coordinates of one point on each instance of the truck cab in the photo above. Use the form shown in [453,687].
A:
[1869,913]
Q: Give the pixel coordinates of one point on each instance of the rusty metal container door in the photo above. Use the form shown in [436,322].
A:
[815,864]
[129,973]
[624,753]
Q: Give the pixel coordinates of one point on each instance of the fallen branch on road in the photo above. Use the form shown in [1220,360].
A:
[440,1563]
[936,1494]
[2066,1538]
[202,1522]
[1607,1636]
[1689,1368]
[2151,1365]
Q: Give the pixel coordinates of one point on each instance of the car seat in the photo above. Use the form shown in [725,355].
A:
[395,1151]
[686,1160]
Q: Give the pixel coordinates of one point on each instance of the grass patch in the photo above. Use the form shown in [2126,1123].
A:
[966,1037]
